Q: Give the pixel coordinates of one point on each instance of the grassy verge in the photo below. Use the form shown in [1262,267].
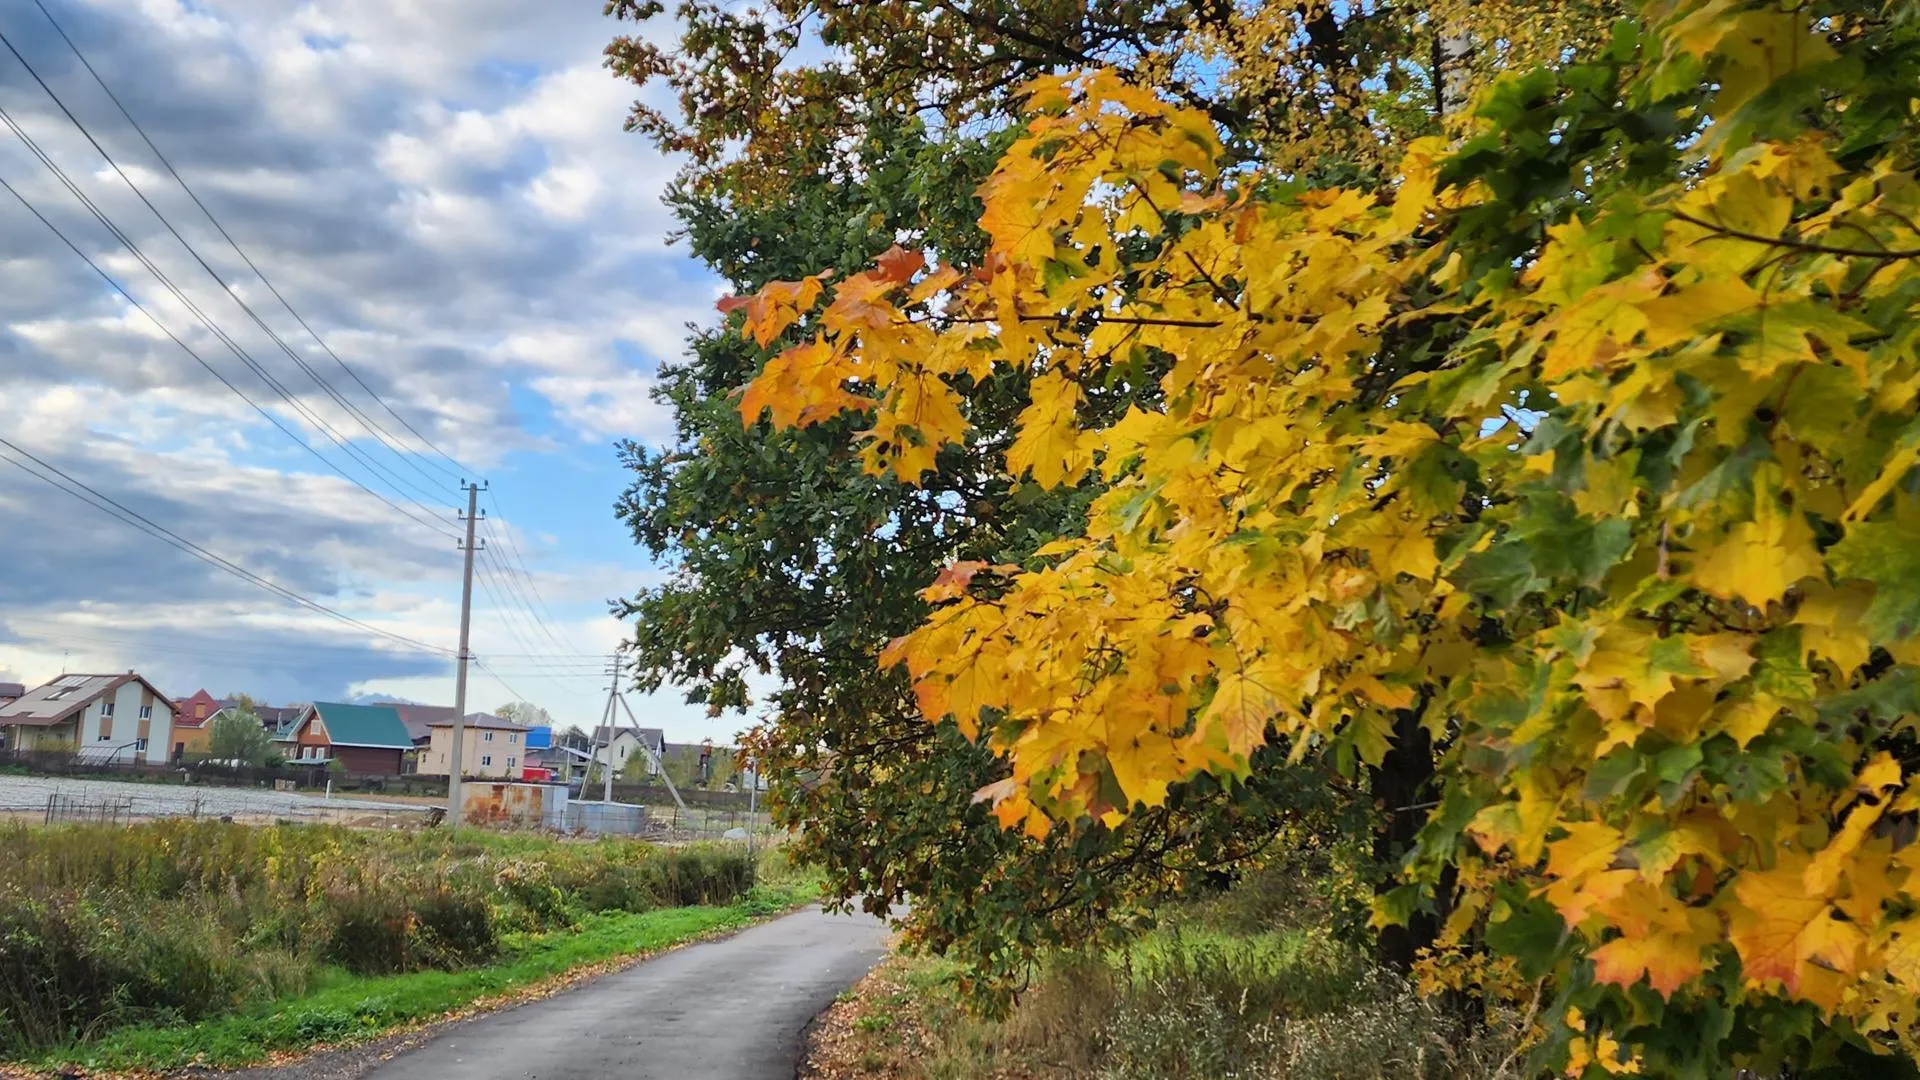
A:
[172,942]
[345,1009]
[1230,989]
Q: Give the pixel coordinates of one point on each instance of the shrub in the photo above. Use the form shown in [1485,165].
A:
[102,926]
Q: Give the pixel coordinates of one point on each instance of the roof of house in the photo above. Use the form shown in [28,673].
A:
[12,689]
[652,736]
[481,720]
[419,718]
[363,725]
[273,716]
[53,702]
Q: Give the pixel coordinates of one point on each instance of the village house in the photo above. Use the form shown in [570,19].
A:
[192,722]
[420,720]
[363,738]
[104,718]
[619,743]
[490,747]
[196,737]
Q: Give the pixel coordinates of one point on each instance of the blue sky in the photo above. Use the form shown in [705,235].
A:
[442,189]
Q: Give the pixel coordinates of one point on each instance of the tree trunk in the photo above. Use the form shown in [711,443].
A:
[1401,786]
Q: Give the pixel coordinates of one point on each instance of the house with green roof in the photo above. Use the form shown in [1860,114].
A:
[363,738]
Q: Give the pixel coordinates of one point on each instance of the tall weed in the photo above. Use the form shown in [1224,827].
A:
[103,926]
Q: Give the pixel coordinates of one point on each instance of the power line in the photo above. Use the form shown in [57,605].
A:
[207,321]
[505,574]
[113,508]
[379,434]
[504,685]
[513,551]
[191,194]
[188,349]
[510,619]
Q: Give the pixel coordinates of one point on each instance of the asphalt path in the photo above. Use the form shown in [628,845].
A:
[732,1009]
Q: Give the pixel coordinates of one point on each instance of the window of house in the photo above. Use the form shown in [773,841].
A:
[146,712]
[200,711]
[513,736]
[106,708]
[487,760]
[509,763]
[141,746]
[489,736]
[105,735]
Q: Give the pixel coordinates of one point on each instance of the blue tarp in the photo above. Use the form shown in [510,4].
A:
[540,738]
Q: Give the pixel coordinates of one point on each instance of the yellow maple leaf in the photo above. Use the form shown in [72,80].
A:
[1758,561]
[1243,704]
[1049,444]
[1397,543]
[1781,931]
[1661,938]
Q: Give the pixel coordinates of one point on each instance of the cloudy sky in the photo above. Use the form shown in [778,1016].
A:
[442,190]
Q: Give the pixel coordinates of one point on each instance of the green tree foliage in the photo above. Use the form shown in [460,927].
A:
[236,735]
[1585,452]
[794,562]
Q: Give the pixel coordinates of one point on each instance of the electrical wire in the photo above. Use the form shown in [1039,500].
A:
[462,470]
[505,575]
[113,508]
[202,361]
[380,434]
[513,551]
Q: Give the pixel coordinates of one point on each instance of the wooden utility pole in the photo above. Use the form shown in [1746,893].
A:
[460,677]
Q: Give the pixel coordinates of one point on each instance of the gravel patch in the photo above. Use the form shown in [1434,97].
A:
[20,795]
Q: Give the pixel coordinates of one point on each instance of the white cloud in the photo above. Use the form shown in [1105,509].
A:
[443,190]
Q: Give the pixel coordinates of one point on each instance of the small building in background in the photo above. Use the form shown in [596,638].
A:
[195,737]
[619,743]
[192,721]
[367,739]
[110,719]
[491,747]
[420,720]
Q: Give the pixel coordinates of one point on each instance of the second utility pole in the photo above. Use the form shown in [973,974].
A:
[454,807]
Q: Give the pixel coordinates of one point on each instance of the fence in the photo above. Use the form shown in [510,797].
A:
[67,763]
[105,801]
[75,808]
[671,823]
[695,798]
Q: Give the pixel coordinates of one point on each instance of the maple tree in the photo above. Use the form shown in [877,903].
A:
[1326,88]
[793,567]
[1585,449]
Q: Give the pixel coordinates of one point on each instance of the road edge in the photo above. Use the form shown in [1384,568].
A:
[394,1041]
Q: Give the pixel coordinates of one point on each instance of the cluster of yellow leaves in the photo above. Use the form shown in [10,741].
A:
[1287,548]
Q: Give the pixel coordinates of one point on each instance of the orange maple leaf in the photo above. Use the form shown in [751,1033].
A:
[898,265]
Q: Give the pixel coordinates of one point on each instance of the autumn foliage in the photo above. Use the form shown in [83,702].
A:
[1590,441]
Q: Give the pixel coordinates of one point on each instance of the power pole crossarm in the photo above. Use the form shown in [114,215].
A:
[454,766]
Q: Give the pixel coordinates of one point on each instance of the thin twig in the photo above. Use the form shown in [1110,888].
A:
[1798,245]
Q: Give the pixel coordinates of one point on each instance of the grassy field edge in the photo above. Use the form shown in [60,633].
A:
[349,1010]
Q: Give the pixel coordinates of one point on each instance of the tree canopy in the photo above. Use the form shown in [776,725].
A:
[1582,445]
[237,735]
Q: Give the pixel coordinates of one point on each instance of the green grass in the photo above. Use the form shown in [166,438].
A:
[344,1009]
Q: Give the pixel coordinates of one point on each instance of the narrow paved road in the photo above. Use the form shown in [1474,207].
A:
[732,1009]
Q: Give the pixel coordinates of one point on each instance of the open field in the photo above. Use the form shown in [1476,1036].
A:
[23,797]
